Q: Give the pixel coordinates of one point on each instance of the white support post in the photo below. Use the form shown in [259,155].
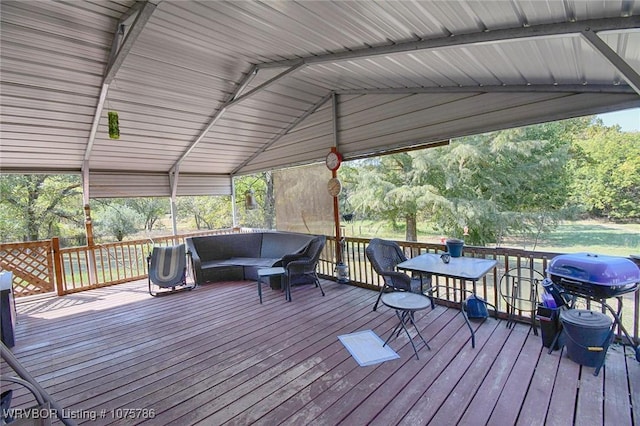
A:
[234,211]
[173,178]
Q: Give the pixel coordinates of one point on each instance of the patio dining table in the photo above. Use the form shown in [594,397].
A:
[462,268]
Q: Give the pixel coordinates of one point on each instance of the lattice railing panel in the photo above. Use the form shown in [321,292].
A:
[31,264]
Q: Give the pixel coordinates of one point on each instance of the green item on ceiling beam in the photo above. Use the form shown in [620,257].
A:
[114,126]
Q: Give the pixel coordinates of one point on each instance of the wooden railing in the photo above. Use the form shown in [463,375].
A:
[41,267]
[114,263]
[361,273]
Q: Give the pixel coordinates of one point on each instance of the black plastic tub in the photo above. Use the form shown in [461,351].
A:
[587,336]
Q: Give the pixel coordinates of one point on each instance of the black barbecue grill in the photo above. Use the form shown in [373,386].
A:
[597,277]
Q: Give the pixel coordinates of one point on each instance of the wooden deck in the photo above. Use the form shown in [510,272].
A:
[216,356]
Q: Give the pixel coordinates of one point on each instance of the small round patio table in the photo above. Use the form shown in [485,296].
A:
[405,304]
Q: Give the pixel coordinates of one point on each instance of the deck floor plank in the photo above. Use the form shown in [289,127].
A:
[517,385]
[268,354]
[215,355]
[633,374]
[616,401]
[452,409]
[288,375]
[167,353]
[324,371]
[561,410]
[359,390]
[534,408]
[480,409]
[590,403]
[433,383]
[395,387]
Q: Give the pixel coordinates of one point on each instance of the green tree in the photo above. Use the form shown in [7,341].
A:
[261,186]
[501,183]
[151,209]
[118,220]
[607,173]
[493,184]
[385,188]
[207,212]
[40,206]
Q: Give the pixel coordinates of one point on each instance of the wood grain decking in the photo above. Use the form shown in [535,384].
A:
[216,356]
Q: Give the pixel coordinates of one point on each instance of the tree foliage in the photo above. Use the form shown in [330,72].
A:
[118,220]
[151,209]
[492,184]
[206,212]
[386,188]
[261,187]
[607,173]
[39,206]
[122,217]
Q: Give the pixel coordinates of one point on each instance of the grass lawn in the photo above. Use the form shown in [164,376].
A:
[594,237]
[570,237]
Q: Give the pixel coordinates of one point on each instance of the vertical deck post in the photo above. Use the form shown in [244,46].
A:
[334,174]
[57,265]
[91,253]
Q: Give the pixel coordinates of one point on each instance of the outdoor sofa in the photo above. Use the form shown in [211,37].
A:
[236,257]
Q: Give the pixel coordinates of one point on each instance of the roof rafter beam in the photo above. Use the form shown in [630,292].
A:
[530,88]
[235,99]
[239,88]
[129,26]
[507,34]
[264,85]
[282,133]
[629,74]
[123,41]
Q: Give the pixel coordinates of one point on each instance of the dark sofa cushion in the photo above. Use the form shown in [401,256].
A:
[277,244]
[226,246]
[231,257]
[221,273]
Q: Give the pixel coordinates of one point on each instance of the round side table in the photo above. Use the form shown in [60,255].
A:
[405,304]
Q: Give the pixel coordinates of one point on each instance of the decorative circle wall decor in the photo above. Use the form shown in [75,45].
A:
[334,186]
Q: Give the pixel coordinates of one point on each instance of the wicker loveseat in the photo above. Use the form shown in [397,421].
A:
[235,257]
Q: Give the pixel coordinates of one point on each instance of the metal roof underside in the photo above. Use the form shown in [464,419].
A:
[211,89]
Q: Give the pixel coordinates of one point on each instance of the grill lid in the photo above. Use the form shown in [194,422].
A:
[595,269]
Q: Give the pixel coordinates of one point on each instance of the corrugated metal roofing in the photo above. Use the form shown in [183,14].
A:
[217,88]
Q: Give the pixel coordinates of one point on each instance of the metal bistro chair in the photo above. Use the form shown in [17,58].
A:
[519,289]
[384,256]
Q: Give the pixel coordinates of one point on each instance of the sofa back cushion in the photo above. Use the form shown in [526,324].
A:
[216,247]
[277,244]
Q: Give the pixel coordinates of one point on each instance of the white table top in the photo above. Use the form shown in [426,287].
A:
[468,268]
[405,300]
